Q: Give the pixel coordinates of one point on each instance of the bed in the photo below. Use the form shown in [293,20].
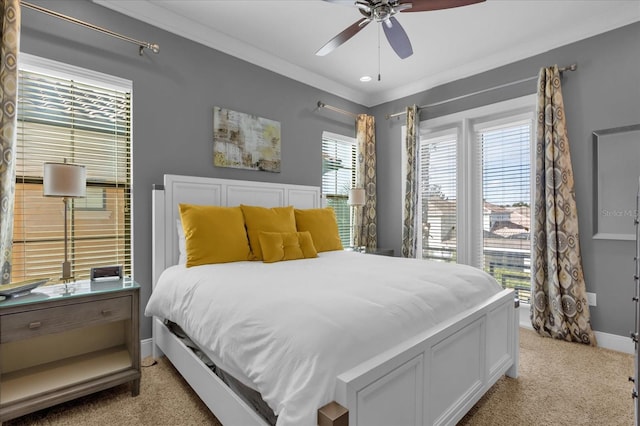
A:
[422,376]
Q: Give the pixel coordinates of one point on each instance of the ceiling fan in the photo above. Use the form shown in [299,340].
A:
[383,11]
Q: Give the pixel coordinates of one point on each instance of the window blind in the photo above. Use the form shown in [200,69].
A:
[62,119]
[437,198]
[338,176]
[506,215]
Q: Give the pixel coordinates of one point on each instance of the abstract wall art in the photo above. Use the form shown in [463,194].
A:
[245,141]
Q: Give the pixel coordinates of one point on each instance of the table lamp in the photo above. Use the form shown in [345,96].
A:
[66,181]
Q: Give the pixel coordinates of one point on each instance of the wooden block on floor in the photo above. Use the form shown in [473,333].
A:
[333,414]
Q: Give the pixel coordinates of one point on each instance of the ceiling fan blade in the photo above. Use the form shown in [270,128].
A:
[343,37]
[345,2]
[397,38]
[427,5]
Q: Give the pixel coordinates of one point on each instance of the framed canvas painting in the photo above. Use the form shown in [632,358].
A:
[245,141]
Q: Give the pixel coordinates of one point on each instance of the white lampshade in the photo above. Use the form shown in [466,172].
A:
[64,180]
[357,197]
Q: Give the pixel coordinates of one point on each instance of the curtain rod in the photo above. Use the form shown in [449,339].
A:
[154,47]
[571,67]
[341,111]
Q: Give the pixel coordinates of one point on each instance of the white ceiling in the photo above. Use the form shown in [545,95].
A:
[283,36]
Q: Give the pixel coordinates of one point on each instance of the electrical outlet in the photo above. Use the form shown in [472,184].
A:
[591,298]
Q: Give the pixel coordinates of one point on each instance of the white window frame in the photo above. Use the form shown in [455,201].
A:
[53,68]
[469,178]
[40,65]
[437,133]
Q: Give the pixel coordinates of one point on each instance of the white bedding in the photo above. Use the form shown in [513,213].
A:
[287,329]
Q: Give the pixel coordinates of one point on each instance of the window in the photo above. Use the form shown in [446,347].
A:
[95,200]
[67,113]
[506,215]
[475,190]
[338,177]
[437,195]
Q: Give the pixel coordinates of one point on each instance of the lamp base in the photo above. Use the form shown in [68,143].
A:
[66,272]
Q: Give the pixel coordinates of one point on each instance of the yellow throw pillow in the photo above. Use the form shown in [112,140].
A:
[322,225]
[256,219]
[277,246]
[213,234]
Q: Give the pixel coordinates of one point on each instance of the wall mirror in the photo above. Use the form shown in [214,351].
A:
[616,179]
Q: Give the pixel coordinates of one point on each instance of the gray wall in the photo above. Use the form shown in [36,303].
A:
[173,98]
[174,93]
[603,93]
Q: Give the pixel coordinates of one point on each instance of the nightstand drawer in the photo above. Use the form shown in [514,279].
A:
[25,325]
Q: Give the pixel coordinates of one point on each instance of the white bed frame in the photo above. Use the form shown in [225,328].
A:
[432,379]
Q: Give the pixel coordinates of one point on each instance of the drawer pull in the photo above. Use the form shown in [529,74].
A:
[34,325]
[106,312]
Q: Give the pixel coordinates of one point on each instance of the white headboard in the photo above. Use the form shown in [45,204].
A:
[215,192]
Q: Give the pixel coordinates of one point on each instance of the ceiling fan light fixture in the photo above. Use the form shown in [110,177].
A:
[383,11]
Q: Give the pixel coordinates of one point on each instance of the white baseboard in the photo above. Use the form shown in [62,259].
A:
[605,340]
[146,347]
[615,342]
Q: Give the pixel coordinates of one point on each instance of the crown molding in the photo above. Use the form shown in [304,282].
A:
[158,16]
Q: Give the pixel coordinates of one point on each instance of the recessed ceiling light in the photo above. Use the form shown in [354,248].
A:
[365,78]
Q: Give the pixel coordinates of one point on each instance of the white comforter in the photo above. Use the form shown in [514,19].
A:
[289,328]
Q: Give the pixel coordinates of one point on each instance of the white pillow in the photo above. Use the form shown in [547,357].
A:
[182,244]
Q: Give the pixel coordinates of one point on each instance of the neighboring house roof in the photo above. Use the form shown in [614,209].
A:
[519,218]
[511,232]
[494,208]
[508,229]
[521,215]
[500,224]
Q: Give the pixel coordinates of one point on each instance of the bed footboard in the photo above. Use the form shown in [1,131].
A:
[437,377]
[433,379]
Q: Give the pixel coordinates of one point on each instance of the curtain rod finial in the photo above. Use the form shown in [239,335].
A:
[154,47]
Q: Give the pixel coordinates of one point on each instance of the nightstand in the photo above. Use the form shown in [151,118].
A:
[380,251]
[59,343]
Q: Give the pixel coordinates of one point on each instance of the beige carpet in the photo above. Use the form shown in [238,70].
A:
[560,384]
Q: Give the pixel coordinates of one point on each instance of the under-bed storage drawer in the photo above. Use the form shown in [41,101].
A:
[38,322]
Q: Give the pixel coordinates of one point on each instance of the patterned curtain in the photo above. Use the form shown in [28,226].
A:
[560,307]
[10,12]
[409,237]
[366,228]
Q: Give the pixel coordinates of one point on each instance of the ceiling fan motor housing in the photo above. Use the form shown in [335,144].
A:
[378,11]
